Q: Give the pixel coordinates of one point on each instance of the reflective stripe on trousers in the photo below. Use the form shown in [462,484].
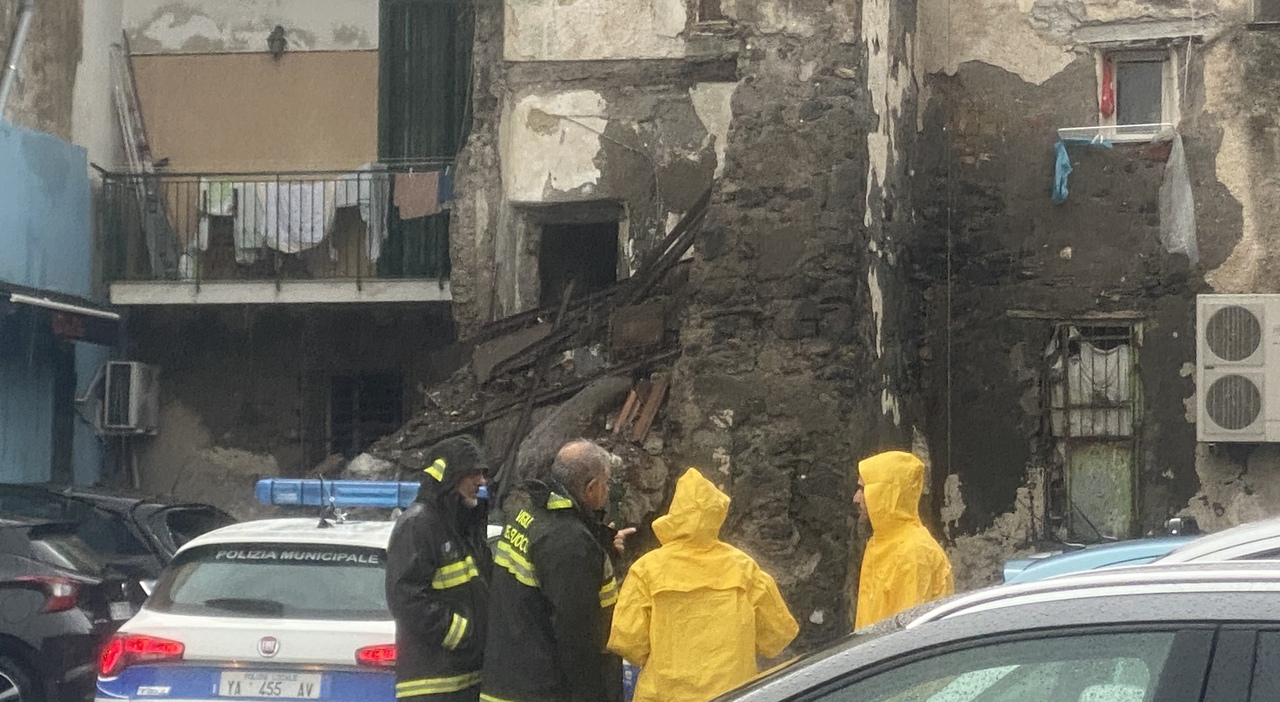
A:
[436,686]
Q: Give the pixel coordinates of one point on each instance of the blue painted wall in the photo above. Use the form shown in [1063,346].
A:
[46,240]
[26,397]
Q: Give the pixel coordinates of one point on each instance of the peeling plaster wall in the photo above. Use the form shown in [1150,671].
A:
[216,26]
[43,96]
[551,139]
[94,123]
[550,144]
[1000,79]
[554,30]
[796,361]
[794,364]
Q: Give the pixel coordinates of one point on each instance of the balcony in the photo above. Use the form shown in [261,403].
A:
[378,234]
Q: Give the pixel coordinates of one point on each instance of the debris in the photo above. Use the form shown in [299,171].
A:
[650,405]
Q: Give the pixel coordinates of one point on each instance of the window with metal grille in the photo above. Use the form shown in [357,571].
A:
[362,409]
[1092,390]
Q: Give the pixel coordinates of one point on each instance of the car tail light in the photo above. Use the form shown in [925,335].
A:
[381,656]
[124,650]
[60,594]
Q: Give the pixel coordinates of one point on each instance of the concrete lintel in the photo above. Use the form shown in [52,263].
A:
[1114,33]
[290,292]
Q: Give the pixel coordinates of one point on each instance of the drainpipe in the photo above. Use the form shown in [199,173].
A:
[26,13]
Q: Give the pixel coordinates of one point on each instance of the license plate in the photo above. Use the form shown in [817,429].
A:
[121,610]
[282,686]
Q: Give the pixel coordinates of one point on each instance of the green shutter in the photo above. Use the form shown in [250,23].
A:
[424,114]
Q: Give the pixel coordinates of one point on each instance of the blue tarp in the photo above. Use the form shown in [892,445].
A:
[1062,165]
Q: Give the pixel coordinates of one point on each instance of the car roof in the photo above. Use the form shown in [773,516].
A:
[1207,546]
[1099,556]
[1177,595]
[298,531]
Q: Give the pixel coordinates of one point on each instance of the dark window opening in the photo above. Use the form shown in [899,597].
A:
[1139,92]
[362,409]
[1266,11]
[586,254]
[709,11]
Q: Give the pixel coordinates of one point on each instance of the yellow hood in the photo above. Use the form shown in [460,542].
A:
[695,613]
[902,565]
[893,482]
[697,512]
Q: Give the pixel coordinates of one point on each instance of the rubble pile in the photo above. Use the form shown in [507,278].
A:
[596,366]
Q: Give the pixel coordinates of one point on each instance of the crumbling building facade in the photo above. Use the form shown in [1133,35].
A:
[816,229]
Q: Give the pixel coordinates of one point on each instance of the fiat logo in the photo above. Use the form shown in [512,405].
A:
[269,646]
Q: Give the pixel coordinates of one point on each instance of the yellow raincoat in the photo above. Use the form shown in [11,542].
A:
[903,566]
[695,613]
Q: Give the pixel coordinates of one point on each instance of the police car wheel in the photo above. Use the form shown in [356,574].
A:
[16,683]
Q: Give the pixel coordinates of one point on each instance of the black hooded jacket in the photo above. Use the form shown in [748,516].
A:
[552,605]
[438,568]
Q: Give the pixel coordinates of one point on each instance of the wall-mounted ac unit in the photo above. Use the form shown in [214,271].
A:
[1238,368]
[131,402]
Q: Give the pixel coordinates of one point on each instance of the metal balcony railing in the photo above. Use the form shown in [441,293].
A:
[378,222]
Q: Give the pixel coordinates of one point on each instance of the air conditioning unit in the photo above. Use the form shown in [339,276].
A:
[1238,368]
[131,402]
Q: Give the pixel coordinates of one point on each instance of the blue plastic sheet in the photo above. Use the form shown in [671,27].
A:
[1061,169]
[1062,166]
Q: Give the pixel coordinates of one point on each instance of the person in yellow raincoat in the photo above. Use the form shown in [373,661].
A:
[903,565]
[696,612]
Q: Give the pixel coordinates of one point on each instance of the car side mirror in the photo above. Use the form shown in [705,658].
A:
[1182,526]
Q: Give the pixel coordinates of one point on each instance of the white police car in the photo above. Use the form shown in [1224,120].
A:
[290,609]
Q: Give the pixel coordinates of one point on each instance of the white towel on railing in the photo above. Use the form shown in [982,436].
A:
[368,188]
[289,216]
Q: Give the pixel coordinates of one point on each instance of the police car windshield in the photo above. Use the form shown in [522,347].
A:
[275,581]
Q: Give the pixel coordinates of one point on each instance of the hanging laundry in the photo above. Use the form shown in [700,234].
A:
[446,187]
[1061,169]
[1062,164]
[417,194]
[370,189]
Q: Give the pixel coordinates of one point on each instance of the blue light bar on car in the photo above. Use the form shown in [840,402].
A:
[386,494]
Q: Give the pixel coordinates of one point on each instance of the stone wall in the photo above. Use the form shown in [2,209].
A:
[43,96]
[795,359]
[1001,264]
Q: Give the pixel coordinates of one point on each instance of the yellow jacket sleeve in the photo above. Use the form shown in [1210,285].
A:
[629,637]
[775,627]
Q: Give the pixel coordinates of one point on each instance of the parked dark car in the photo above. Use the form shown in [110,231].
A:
[58,604]
[136,535]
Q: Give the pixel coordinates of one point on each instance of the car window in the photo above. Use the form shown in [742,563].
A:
[1266,668]
[107,533]
[1111,667]
[1269,555]
[275,581]
[66,551]
[104,531]
[177,525]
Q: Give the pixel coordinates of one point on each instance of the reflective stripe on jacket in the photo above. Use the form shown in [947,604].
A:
[551,604]
[438,566]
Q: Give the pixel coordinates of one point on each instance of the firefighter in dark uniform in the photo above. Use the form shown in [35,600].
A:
[554,589]
[438,569]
